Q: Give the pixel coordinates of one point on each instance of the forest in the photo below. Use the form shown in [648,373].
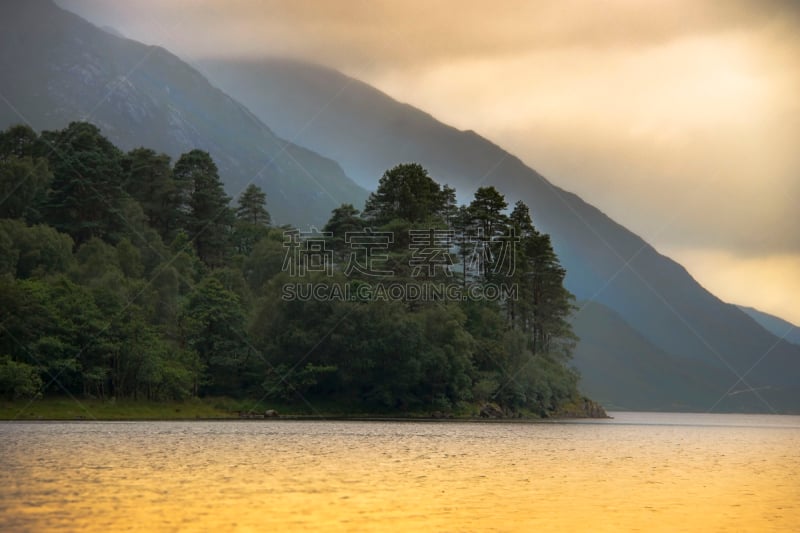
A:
[128,275]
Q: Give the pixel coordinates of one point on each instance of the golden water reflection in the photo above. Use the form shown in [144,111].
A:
[646,472]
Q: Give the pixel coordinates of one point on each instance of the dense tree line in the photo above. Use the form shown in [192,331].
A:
[125,275]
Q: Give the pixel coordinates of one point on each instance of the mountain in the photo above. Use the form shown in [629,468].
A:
[683,324]
[775,325]
[59,68]
[624,371]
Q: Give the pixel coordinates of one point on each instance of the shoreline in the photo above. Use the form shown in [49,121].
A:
[298,418]
[227,409]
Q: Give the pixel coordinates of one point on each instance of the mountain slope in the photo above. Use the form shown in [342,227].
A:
[775,325]
[623,370]
[368,132]
[58,68]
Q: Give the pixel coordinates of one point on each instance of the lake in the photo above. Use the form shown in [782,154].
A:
[639,471]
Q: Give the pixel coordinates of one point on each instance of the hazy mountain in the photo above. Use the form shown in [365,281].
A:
[59,68]
[623,370]
[367,132]
[113,31]
[775,325]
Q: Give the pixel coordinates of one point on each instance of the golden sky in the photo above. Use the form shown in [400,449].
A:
[679,119]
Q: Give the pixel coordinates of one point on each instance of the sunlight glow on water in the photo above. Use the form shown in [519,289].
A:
[640,471]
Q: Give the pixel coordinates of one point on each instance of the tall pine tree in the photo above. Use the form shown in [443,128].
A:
[405,192]
[252,208]
[148,179]
[252,219]
[86,191]
[204,206]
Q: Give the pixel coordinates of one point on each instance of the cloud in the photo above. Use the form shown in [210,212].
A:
[392,32]
[680,119]
[769,283]
[691,142]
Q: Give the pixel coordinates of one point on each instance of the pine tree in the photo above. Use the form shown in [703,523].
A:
[207,215]
[405,192]
[86,191]
[544,305]
[487,211]
[148,179]
[344,219]
[252,206]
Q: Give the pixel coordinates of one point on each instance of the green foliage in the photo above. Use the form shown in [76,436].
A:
[204,206]
[252,208]
[252,220]
[406,192]
[33,251]
[486,211]
[18,380]
[57,325]
[213,322]
[344,219]
[265,260]
[144,284]
[24,174]
[23,186]
[292,383]
[130,259]
[19,141]
[86,191]
[545,305]
[148,179]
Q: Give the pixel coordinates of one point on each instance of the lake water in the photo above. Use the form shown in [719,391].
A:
[639,471]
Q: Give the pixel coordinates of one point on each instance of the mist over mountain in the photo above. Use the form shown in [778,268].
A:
[60,68]
[367,132]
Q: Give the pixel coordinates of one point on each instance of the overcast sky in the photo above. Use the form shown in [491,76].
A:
[679,119]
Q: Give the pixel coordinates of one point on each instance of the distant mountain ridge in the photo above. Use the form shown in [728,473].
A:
[777,326]
[367,132]
[59,68]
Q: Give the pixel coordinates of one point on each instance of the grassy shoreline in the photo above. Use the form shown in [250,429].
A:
[62,408]
[93,409]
